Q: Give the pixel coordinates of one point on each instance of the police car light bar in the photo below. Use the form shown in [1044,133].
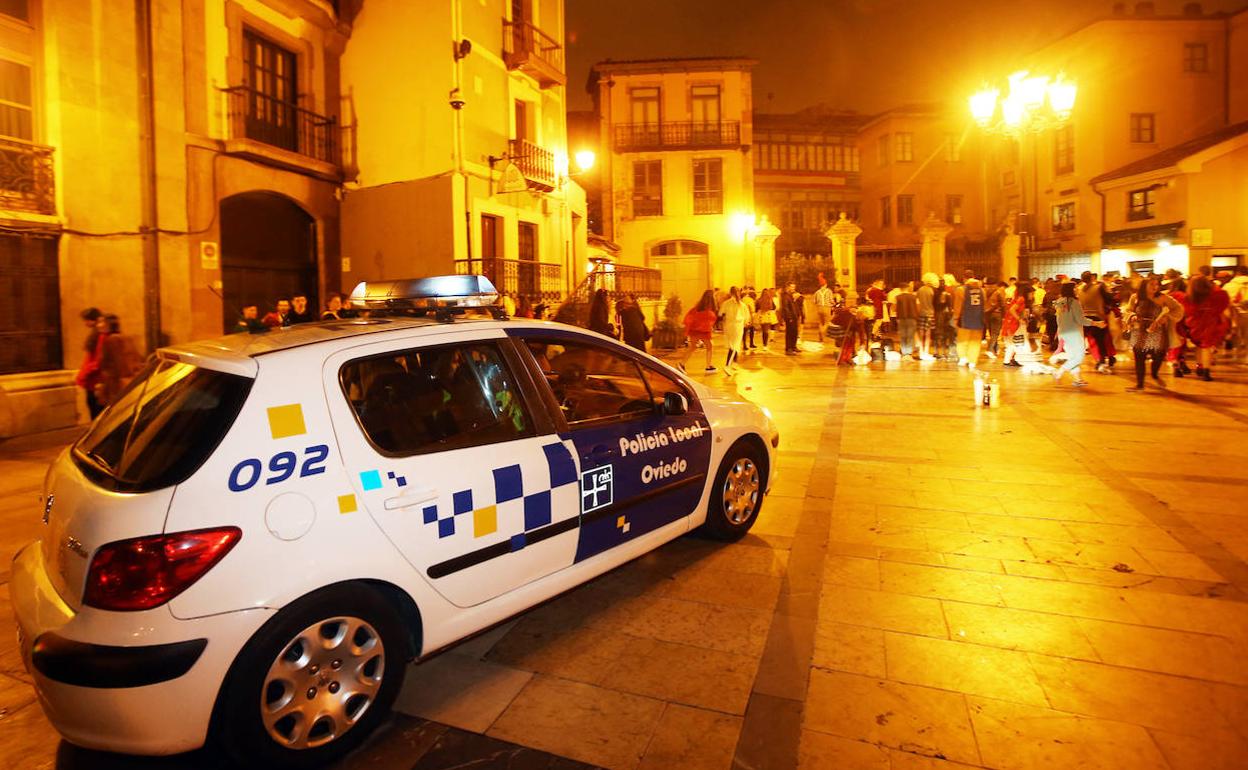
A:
[443,295]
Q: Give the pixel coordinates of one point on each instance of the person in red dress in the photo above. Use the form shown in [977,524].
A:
[699,323]
[1207,325]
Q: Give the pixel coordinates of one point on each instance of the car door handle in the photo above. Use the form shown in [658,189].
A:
[415,497]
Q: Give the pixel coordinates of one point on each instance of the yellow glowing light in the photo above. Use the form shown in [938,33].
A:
[1012,111]
[1062,96]
[1032,91]
[984,105]
[561,164]
[1163,244]
[585,160]
[742,222]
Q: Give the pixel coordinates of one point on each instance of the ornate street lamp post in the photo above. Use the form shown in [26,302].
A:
[1031,105]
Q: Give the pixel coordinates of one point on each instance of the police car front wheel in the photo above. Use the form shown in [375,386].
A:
[738,492]
[314,681]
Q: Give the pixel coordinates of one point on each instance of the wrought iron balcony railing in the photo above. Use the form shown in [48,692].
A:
[259,116]
[519,277]
[27,178]
[527,48]
[637,137]
[622,280]
[536,163]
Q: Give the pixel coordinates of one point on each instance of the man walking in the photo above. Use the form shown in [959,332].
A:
[907,317]
[824,300]
[994,312]
[969,303]
[1094,298]
[792,315]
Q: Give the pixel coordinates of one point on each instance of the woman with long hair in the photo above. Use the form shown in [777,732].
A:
[1206,321]
[1070,322]
[767,317]
[632,322]
[699,323]
[1146,315]
[1014,325]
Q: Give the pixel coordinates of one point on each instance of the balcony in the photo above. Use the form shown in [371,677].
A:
[687,135]
[533,52]
[536,163]
[27,181]
[539,281]
[303,140]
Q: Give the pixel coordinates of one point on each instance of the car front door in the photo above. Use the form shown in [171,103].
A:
[449,457]
[641,468]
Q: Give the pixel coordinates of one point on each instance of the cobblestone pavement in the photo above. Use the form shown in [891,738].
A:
[1058,582]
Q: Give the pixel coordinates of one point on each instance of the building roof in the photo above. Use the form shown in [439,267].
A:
[675,64]
[1173,155]
[811,118]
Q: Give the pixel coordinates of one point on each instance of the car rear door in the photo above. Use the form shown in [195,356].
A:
[641,469]
[449,456]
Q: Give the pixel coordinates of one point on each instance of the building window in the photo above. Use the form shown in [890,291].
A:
[883,148]
[1195,57]
[648,188]
[905,148]
[1063,217]
[905,209]
[1008,178]
[644,103]
[490,231]
[953,209]
[269,75]
[953,148]
[1141,204]
[18,9]
[705,105]
[708,186]
[1143,127]
[1064,150]
[15,101]
[886,212]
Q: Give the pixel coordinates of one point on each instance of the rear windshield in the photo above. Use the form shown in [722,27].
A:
[162,427]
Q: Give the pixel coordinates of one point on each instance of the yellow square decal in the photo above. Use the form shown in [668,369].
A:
[485,521]
[286,421]
[346,504]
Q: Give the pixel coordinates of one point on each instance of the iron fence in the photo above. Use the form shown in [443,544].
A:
[518,277]
[634,137]
[264,118]
[27,177]
[536,163]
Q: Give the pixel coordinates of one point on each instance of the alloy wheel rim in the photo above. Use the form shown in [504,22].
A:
[740,491]
[322,683]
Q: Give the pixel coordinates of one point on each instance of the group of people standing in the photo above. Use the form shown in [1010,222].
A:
[109,362]
[744,316]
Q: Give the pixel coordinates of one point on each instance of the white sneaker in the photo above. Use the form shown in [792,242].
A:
[962,362]
[927,357]
[971,365]
[991,356]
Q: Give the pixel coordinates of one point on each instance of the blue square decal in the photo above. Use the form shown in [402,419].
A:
[517,542]
[562,468]
[462,502]
[508,484]
[431,514]
[537,510]
[370,480]
[446,527]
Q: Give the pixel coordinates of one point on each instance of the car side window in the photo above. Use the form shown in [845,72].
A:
[436,398]
[662,384]
[590,381]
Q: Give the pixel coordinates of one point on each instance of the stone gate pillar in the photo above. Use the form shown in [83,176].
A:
[760,267]
[932,257]
[1011,244]
[844,236]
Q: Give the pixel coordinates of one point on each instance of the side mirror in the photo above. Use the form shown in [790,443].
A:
[675,404]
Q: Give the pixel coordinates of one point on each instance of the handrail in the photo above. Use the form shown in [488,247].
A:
[265,118]
[676,135]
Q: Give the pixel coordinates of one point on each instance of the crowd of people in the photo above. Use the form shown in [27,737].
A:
[1061,325]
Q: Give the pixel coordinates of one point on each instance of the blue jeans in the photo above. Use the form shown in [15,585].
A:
[906,328]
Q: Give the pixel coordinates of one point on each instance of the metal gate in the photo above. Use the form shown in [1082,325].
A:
[30,316]
[1047,264]
[894,265]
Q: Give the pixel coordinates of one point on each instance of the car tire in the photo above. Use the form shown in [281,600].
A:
[737,495]
[314,681]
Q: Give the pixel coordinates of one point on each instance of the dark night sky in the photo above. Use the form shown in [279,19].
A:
[866,55]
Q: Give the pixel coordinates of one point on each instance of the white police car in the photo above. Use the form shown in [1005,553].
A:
[250,544]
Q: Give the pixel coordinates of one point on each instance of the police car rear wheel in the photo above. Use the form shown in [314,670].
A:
[737,494]
[314,681]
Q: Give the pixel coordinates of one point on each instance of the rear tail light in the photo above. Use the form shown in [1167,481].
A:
[146,572]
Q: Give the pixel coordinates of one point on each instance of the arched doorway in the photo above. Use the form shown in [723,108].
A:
[685,269]
[268,251]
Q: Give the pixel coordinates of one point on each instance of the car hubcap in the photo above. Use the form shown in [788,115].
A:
[322,683]
[740,490]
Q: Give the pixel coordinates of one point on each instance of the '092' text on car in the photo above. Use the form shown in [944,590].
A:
[263,529]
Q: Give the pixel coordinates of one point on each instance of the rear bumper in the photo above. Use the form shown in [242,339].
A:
[106,666]
[138,682]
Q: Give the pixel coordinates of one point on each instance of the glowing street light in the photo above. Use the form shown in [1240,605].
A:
[585,160]
[741,222]
[1032,103]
